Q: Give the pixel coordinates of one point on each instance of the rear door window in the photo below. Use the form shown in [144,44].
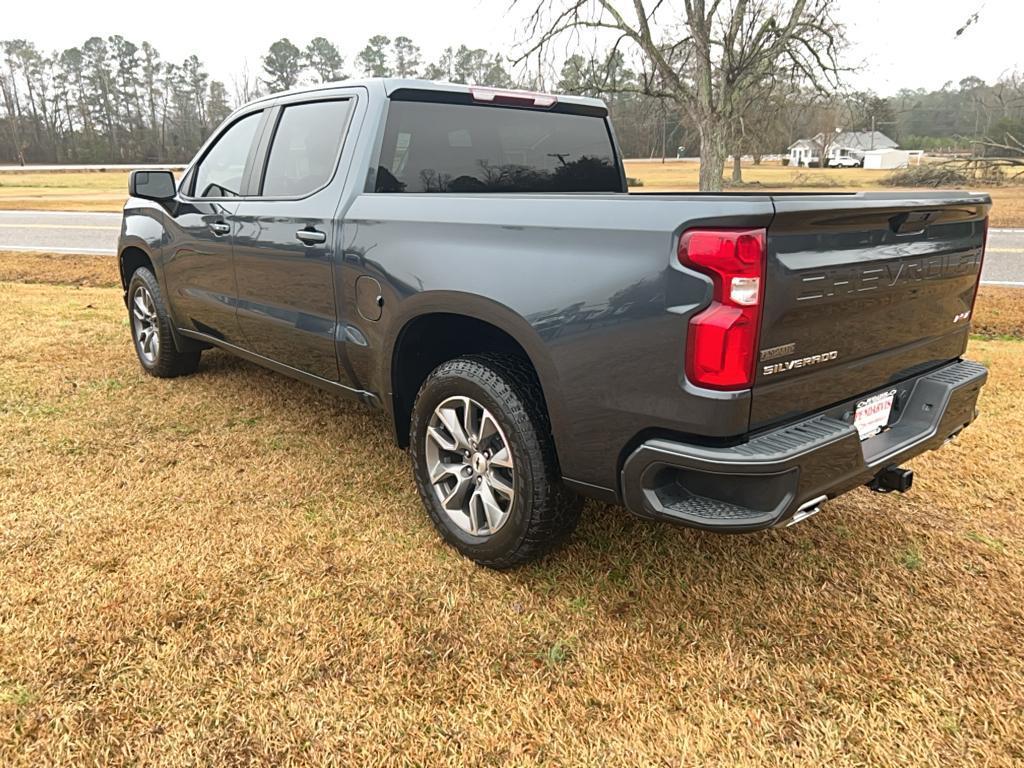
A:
[305,149]
[430,147]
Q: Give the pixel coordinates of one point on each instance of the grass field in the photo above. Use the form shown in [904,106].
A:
[64,191]
[235,568]
[94,191]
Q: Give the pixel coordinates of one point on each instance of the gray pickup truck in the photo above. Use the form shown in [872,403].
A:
[469,261]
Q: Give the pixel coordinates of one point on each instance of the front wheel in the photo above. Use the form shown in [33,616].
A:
[151,330]
[485,463]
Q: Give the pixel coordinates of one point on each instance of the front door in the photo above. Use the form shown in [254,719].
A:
[199,268]
[285,238]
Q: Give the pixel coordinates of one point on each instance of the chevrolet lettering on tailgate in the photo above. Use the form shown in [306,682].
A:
[843,281]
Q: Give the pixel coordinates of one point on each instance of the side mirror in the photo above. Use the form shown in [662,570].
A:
[152,185]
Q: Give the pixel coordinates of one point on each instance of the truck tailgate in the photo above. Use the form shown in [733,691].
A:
[862,291]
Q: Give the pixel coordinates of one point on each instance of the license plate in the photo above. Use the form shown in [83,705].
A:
[872,414]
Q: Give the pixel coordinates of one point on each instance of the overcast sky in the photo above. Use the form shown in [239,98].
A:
[902,43]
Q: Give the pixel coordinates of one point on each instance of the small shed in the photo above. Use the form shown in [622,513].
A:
[886,158]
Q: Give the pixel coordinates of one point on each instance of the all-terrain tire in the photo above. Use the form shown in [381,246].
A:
[543,512]
[150,322]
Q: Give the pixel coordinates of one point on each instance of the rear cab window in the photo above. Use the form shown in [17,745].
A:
[434,147]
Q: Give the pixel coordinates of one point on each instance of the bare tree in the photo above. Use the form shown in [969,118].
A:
[711,58]
[996,159]
[760,127]
[12,102]
[245,85]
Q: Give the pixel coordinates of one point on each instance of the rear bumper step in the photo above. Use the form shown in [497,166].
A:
[780,476]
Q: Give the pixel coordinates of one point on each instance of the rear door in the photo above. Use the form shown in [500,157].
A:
[862,291]
[286,237]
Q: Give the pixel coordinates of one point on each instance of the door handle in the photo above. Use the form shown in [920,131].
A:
[219,228]
[311,236]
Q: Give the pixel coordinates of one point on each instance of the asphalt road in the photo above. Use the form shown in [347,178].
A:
[59,232]
[1004,258]
[96,233]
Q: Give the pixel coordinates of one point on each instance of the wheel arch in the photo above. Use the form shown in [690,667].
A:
[130,259]
[442,327]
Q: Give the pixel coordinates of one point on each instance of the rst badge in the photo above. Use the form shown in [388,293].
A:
[800,362]
[773,353]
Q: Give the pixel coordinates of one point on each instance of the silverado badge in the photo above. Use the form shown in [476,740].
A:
[800,362]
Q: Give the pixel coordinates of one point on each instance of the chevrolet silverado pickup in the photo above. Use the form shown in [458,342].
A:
[470,262]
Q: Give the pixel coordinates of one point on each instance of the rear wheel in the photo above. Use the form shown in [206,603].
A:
[485,463]
[151,330]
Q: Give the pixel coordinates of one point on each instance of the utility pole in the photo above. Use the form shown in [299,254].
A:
[664,131]
[884,122]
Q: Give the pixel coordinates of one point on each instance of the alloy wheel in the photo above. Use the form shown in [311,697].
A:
[146,325]
[470,465]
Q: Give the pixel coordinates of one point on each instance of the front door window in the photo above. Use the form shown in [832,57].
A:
[220,173]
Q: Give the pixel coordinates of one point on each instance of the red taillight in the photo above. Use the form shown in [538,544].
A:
[722,340]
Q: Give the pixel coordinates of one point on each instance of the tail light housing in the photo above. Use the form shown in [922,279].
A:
[721,344]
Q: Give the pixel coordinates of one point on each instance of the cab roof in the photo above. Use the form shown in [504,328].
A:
[394,84]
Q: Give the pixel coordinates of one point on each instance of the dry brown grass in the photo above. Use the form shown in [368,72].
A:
[59,269]
[999,312]
[235,568]
[64,191]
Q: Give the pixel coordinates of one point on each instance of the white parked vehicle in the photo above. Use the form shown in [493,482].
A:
[845,162]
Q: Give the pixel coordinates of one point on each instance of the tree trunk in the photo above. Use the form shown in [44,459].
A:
[33,112]
[737,169]
[13,115]
[712,157]
[757,158]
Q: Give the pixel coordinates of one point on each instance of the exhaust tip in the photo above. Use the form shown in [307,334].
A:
[806,510]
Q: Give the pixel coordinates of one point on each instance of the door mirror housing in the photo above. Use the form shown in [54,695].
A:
[152,185]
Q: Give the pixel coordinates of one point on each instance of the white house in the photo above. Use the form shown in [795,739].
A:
[804,152]
[846,144]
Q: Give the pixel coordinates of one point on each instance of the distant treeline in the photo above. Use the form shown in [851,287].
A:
[112,100]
